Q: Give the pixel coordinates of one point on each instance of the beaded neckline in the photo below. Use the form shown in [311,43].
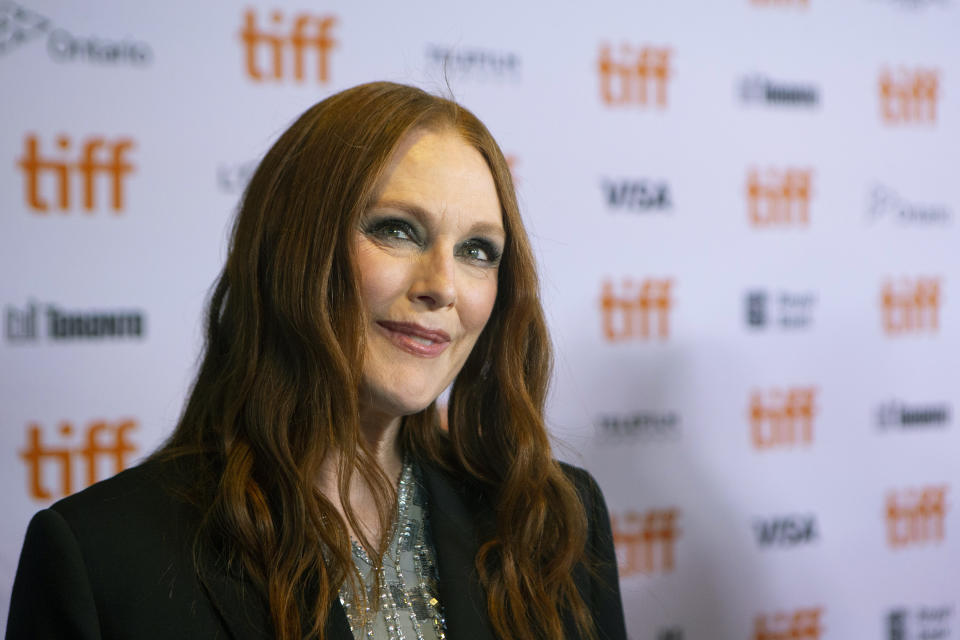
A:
[410,554]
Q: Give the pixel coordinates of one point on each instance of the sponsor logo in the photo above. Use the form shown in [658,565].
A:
[885,203]
[786,531]
[21,325]
[637,195]
[783,309]
[899,415]
[267,53]
[916,516]
[646,426]
[921,623]
[639,312]
[782,418]
[19,25]
[233,178]
[670,633]
[634,76]
[97,158]
[919,4]
[758,89]
[78,458]
[910,306]
[645,542]
[482,64]
[779,198]
[909,96]
[802,624]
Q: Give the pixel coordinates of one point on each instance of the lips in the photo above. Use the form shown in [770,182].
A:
[415,339]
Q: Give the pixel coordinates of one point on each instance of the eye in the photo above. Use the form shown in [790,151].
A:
[480,251]
[391,230]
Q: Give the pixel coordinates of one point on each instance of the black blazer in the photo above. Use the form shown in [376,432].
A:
[115,561]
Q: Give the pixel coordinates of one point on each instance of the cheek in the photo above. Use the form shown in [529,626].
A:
[477,304]
[381,278]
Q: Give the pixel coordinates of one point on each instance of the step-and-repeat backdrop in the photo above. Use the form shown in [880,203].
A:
[746,216]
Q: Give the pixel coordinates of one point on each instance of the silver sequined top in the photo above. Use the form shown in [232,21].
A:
[407,606]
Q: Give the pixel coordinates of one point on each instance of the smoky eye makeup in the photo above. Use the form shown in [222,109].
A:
[390,228]
[481,251]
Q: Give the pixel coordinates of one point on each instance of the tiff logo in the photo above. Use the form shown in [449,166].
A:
[786,531]
[782,418]
[635,76]
[909,96]
[916,516]
[645,542]
[911,307]
[639,312]
[780,198]
[115,167]
[802,624]
[307,32]
[103,441]
[637,195]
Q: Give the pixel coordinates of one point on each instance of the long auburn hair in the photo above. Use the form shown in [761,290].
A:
[277,389]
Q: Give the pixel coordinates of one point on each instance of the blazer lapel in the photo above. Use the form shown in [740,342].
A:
[458,520]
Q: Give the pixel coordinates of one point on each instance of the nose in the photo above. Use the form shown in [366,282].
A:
[434,282]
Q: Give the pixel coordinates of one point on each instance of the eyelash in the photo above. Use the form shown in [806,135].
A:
[384,230]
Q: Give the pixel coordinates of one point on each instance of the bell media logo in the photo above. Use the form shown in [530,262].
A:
[21,325]
[801,624]
[909,96]
[779,197]
[782,418]
[639,312]
[910,305]
[637,195]
[97,158]
[916,516]
[634,76]
[268,51]
[789,310]
[78,457]
[758,89]
[645,542]
[786,531]
[921,623]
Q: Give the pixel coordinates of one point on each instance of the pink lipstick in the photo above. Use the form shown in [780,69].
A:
[415,339]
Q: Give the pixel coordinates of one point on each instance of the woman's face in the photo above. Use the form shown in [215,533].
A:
[427,254]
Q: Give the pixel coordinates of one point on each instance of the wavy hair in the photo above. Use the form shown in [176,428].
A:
[277,388]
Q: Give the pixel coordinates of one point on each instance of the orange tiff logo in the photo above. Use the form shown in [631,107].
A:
[639,312]
[782,418]
[645,542]
[98,157]
[635,76]
[802,624]
[101,443]
[779,198]
[282,42]
[909,96]
[916,516]
[911,307]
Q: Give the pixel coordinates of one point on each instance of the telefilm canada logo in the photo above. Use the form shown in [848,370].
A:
[759,89]
[886,205]
[20,26]
[36,322]
[787,310]
[926,622]
[69,457]
[475,63]
[638,426]
[636,195]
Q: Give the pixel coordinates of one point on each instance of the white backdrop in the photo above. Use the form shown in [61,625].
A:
[745,214]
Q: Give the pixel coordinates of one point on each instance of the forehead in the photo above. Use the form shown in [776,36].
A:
[441,173]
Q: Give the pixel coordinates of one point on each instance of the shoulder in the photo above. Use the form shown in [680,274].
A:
[586,486]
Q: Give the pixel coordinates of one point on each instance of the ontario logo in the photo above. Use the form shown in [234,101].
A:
[279,51]
[884,203]
[68,457]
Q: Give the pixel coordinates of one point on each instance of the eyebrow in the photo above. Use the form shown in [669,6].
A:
[422,214]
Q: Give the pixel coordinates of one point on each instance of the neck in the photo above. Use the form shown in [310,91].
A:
[382,435]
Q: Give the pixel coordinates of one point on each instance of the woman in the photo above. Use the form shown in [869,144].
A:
[309,489]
